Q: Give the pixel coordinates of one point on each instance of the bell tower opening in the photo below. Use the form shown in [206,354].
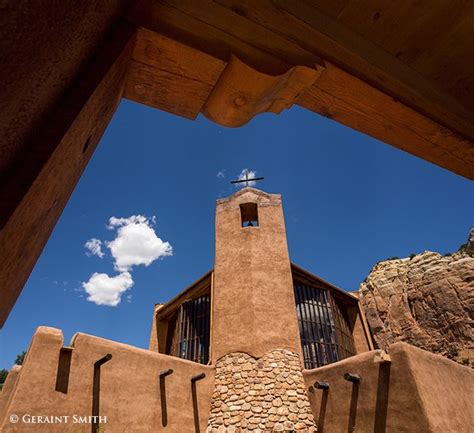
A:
[249,214]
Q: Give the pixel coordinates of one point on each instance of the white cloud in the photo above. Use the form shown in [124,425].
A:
[105,290]
[242,176]
[221,174]
[94,247]
[136,242]
[115,222]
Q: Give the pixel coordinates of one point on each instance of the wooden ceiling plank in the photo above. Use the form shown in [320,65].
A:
[168,19]
[430,37]
[380,116]
[451,64]
[232,20]
[378,68]
[450,44]
[422,26]
[332,8]
[367,18]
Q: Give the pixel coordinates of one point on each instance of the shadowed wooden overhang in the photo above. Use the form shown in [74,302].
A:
[402,72]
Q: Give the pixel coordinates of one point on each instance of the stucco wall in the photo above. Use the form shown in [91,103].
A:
[253,288]
[7,391]
[153,344]
[362,340]
[445,388]
[129,390]
[417,392]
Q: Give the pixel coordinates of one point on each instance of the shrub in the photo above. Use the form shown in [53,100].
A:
[452,352]
[3,375]
[20,358]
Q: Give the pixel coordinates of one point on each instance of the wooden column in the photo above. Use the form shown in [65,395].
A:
[39,181]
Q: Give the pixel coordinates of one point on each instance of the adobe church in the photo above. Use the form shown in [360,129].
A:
[257,344]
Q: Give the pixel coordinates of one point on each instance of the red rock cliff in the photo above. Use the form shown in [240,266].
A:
[426,300]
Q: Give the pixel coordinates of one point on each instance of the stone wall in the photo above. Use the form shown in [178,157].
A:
[260,395]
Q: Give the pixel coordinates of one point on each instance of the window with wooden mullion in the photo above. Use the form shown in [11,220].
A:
[191,334]
[324,331]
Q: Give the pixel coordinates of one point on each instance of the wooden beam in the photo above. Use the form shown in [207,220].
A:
[369,62]
[220,32]
[273,36]
[170,76]
[159,89]
[36,191]
[155,50]
[352,102]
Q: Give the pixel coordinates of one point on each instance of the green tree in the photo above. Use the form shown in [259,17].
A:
[20,358]
[3,375]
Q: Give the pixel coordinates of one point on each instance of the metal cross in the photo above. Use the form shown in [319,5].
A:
[247,180]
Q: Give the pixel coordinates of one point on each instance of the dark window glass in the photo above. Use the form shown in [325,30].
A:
[324,330]
[191,330]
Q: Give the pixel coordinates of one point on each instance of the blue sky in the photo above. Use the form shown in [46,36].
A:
[349,201]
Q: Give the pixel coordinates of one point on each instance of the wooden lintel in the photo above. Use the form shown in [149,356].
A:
[365,60]
[272,36]
[165,91]
[170,76]
[352,102]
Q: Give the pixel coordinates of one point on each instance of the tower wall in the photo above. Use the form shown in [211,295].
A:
[254,308]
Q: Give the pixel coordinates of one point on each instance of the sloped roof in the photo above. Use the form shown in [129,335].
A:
[299,273]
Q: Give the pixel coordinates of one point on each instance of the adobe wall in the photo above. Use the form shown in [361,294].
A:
[417,392]
[153,343]
[253,287]
[362,338]
[7,391]
[129,387]
[445,388]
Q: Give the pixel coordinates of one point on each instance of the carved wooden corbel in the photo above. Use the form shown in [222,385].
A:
[242,92]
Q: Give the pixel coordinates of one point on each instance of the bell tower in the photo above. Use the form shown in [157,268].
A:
[255,344]
[254,307]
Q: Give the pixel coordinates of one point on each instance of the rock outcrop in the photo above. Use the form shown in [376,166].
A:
[426,300]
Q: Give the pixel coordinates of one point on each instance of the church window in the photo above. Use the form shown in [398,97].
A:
[325,333]
[249,214]
[191,330]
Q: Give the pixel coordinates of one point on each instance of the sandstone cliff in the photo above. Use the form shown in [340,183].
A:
[426,300]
